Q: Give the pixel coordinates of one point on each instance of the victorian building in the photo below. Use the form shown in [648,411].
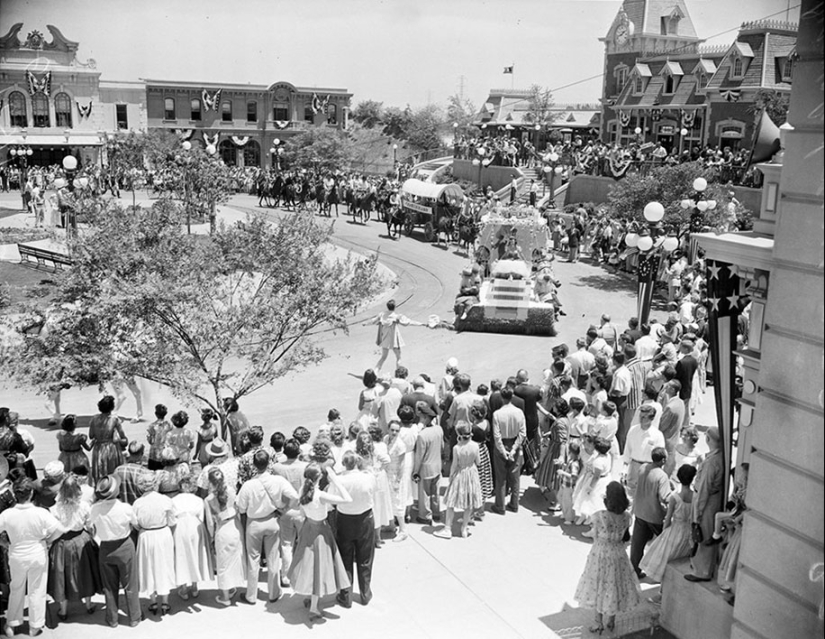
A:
[662,85]
[52,104]
[246,123]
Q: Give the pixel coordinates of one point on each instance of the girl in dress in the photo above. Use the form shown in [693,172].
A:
[317,569]
[588,495]
[728,525]
[154,517]
[375,459]
[107,440]
[481,436]
[608,583]
[72,445]
[368,399]
[685,451]
[156,436]
[555,439]
[181,439]
[236,424]
[389,333]
[397,449]
[225,534]
[206,433]
[675,541]
[464,490]
[568,475]
[192,563]
[73,562]
[606,426]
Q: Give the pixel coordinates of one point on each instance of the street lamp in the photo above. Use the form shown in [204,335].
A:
[275,154]
[649,256]
[699,203]
[551,170]
[22,153]
[67,210]
[682,134]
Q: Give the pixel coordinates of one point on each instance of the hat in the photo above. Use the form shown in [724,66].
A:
[424,409]
[168,454]
[217,448]
[452,363]
[475,268]
[713,433]
[108,487]
[54,471]
[466,271]
[168,483]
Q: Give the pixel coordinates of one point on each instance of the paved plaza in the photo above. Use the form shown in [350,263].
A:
[516,574]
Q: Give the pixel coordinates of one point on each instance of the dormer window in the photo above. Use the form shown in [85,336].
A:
[701,81]
[672,73]
[787,69]
[738,67]
[639,85]
[669,24]
[670,84]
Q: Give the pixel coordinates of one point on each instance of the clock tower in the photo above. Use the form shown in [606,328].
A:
[641,28]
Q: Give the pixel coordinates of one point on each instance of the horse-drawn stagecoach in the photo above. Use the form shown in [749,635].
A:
[433,207]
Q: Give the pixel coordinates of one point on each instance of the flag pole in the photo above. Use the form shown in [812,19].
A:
[512,75]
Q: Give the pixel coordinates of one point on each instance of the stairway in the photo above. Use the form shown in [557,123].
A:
[523,193]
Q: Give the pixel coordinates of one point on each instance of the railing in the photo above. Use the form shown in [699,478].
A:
[432,154]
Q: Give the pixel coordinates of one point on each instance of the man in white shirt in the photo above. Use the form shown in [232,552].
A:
[582,362]
[260,502]
[620,388]
[113,521]
[292,518]
[608,331]
[446,384]
[355,528]
[597,345]
[641,440]
[647,345]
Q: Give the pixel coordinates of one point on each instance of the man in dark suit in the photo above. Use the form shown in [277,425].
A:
[419,395]
[495,397]
[531,395]
[427,464]
[685,370]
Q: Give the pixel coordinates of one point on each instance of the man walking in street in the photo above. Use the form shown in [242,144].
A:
[355,528]
[686,368]
[670,425]
[509,434]
[649,506]
[531,395]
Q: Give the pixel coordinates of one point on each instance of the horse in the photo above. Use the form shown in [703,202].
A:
[445,225]
[363,205]
[467,234]
[395,218]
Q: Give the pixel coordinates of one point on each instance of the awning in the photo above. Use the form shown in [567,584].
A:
[58,139]
[431,190]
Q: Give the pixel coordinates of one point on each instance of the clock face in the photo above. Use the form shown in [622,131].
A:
[281,94]
[621,35]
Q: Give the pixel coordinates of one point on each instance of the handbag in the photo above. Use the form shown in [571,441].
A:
[52,610]
[532,451]
[696,535]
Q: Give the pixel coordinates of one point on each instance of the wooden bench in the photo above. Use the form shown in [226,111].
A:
[40,258]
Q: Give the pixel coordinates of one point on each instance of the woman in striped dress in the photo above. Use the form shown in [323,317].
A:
[481,436]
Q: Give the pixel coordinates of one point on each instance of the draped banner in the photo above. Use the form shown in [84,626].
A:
[240,141]
[724,307]
[624,118]
[281,124]
[648,267]
[43,84]
[211,101]
[184,134]
[731,95]
[687,118]
[85,111]
[213,140]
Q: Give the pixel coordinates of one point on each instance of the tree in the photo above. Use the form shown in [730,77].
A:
[207,316]
[126,155]
[772,102]
[396,121]
[460,112]
[320,149]
[669,185]
[368,113]
[425,128]
[540,104]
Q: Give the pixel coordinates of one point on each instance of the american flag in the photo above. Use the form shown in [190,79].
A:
[648,267]
[726,299]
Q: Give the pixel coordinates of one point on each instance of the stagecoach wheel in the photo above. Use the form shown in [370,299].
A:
[429,232]
[408,226]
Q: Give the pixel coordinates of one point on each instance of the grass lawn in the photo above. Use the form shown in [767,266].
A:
[26,286]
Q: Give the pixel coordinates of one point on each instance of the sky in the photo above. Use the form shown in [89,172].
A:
[394,51]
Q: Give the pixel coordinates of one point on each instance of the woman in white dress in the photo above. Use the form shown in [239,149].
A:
[397,450]
[192,563]
[225,532]
[375,459]
[154,517]
[389,333]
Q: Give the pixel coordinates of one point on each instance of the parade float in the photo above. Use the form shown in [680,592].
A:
[515,285]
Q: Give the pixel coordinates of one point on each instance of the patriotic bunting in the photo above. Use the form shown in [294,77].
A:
[85,111]
[648,267]
[213,101]
[731,95]
[725,302]
[213,141]
[240,141]
[624,118]
[687,118]
[42,84]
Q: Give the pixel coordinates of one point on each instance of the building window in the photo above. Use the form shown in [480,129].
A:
[621,78]
[787,70]
[40,110]
[169,109]
[309,116]
[121,116]
[332,114]
[227,152]
[670,84]
[738,67]
[63,110]
[701,81]
[251,111]
[639,84]
[669,25]
[17,109]
[226,112]
[280,112]
[252,154]
[195,110]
